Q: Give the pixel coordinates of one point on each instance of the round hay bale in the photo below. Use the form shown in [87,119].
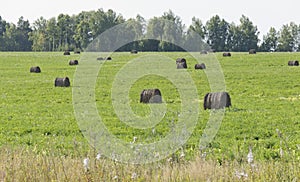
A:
[293,63]
[62,82]
[67,53]
[200,66]
[226,54]
[181,66]
[180,60]
[73,62]
[181,63]
[76,52]
[35,69]
[252,51]
[217,100]
[108,58]
[150,96]
[100,58]
[133,51]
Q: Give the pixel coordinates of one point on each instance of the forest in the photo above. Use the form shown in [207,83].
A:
[75,32]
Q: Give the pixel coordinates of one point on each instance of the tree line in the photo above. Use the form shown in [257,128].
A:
[75,32]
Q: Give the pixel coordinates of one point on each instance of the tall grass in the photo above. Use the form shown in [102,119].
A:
[26,165]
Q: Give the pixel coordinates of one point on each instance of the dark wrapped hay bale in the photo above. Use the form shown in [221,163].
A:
[133,51]
[62,82]
[108,58]
[181,66]
[217,100]
[226,54]
[67,53]
[151,96]
[73,62]
[200,66]
[35,69]
[181,63]
[180,60]
[252,51]
[100,58]
[293,63]
[76,52]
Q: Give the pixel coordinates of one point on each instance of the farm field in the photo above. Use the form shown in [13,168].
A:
[37,119]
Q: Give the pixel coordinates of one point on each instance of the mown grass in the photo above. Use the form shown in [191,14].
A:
[40,136]
[33,112]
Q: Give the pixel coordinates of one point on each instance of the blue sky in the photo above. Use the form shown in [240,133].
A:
[263,13]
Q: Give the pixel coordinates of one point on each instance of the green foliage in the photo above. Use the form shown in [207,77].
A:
[242,37]
[66,32]
[197,27]
[289,37]
[168,29]
[22,35]
[217,33]
[270,41]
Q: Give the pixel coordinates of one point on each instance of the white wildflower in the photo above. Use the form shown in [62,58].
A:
[98,156]
[250,156]
[182,155]
[153,131]
[86,164]
[279,133]
[203,155]
[113,156]
[134,140]
[241,174]
[115,177]
[133,176]
[281,152]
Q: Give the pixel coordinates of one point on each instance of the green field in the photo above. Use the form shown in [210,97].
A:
[264,90]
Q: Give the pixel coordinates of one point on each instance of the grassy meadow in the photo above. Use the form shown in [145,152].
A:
[41,140]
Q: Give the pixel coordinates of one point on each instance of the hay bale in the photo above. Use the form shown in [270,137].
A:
[62,82]
[76,52]
[293,63]
[150,96]
[106,58]
[181,66]
[35,69]
[200,66]
[226,54]
[180,60]
[252,51]
[181,63]
[217,100]
[67,53]
[73,62]
[133,51]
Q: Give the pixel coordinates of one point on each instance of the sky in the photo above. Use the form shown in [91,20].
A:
[263,13]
